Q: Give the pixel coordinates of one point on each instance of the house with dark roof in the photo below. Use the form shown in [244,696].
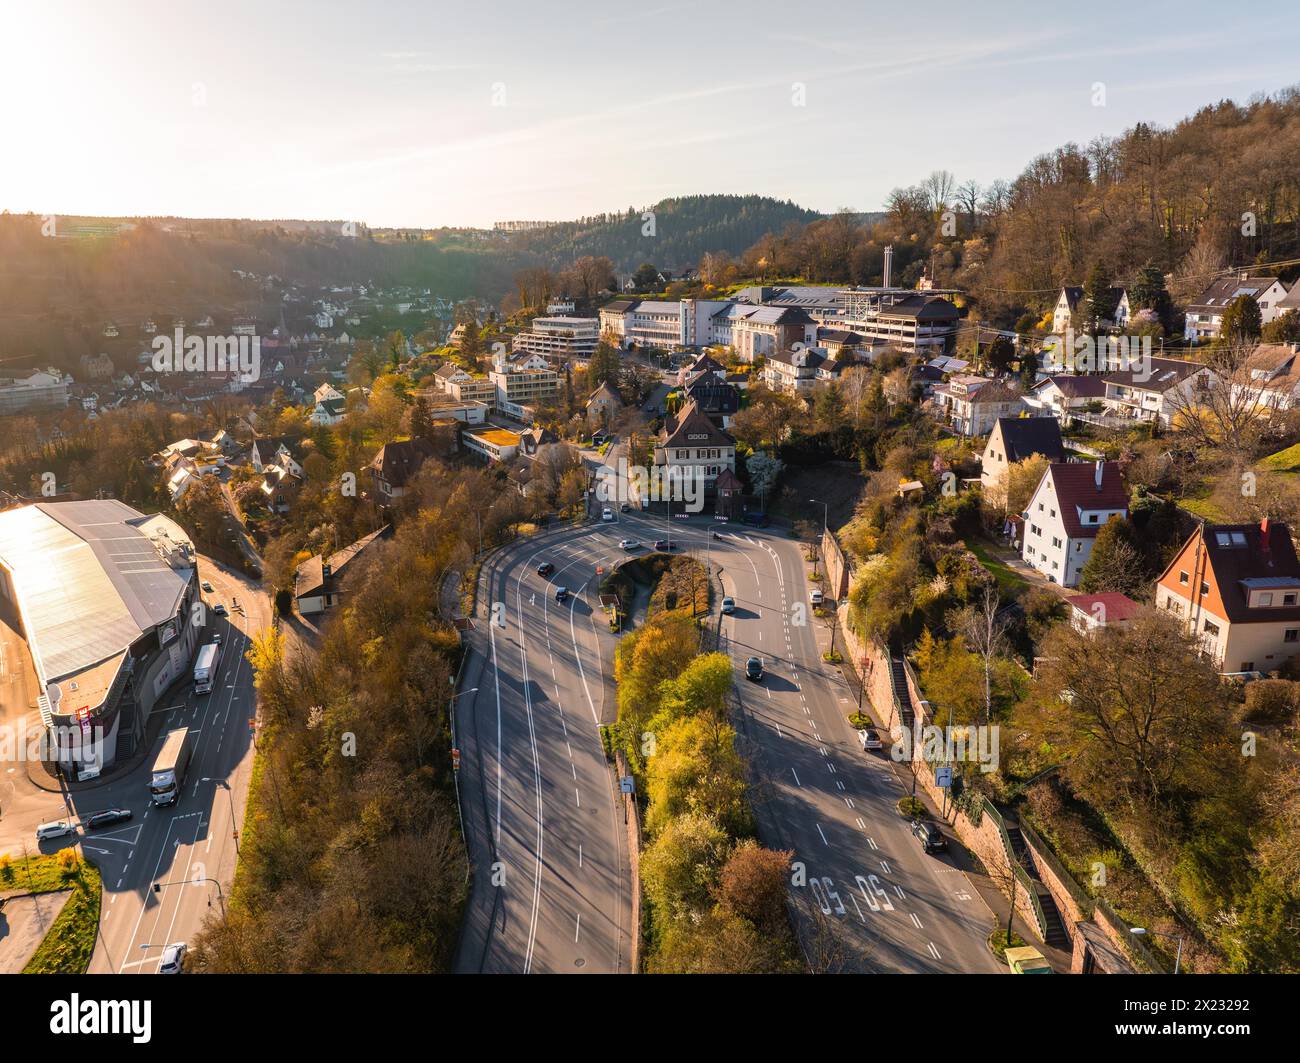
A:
[1070,505]
[1061,395]
[718,400]
[1157,389]
[793,371]
[1014,439]
[972,404]
[1204,316]
[1237,589]
[318,582]
[691,446]
[604,405]
[392,469]
[1067,303]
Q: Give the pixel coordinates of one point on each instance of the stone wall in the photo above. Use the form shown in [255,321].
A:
[632,818]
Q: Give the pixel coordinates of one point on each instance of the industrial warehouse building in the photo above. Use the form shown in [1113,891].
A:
[102,595]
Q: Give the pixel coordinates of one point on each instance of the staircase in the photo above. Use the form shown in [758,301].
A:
[1054,926]
[898,677]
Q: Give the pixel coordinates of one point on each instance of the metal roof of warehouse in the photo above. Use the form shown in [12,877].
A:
[88,580]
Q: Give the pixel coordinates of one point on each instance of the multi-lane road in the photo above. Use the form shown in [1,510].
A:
[166,869]
[542,814]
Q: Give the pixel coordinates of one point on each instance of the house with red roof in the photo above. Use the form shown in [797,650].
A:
[1071,503]
[1088,612]
[1237,588]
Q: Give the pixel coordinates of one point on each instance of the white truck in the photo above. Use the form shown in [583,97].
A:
[169,769]
[205,667]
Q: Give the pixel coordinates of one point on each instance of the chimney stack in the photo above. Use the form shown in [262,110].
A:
[1263,536]
[889,266]
[1097,474]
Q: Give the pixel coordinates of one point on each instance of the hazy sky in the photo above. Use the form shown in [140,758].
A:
[433,113]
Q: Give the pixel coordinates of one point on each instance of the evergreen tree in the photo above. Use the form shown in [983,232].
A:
[1115,563]
[1242,321]
[1098,298]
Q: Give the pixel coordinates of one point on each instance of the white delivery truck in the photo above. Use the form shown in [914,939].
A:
[169,769]
[205,667]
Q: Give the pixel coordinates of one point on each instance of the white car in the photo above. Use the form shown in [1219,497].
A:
[815,598]
[870,739]
[173,958]
[60,828]
[628,544]
[728,606]
[607,514]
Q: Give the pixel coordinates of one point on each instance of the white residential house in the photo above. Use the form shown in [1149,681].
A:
[793,371]
[1158,390]
[1205,315]
[692,447]
[972,404]
[1067,303]
[1070,505]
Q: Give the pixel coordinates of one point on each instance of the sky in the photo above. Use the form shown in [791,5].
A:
[403,113]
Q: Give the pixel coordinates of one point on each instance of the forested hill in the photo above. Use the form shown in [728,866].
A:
[678,233]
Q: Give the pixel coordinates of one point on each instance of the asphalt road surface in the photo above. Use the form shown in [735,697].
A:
[541,809]
[187,849]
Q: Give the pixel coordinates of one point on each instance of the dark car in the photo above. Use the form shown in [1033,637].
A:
[758,520]
[930,836]
[561,594]
[109,817]
[625,508]
[754,669]
[545,568]
[665,544]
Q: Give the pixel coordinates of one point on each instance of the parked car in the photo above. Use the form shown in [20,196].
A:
[207,586]
[816,598]
[561,594]
[607,514]
[628,544]
[173,959]
[754,669]
[930,836]
[870,739]
[59,828]
[109,817]
[545,568]
[728,606]
[1027,961]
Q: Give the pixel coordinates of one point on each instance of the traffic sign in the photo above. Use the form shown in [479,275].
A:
[943,777]
[455,760]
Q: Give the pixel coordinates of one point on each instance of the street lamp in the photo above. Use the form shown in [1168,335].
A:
[826,520]
[234,829]
[221,897]
[1139,931]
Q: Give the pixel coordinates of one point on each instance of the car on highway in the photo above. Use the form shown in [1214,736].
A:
[561,594]
[754,669]
[173,958]
[207,586]
[665,544]
[545,568]
[930,836]
[625,508]
[108,817]
[758,520]
[870,739]
[607,514]
[728,606]
[220,609]
[628,544]
[59,828]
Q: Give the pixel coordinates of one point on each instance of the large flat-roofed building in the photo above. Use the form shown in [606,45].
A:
[559,338]
[103,596]
[46,389]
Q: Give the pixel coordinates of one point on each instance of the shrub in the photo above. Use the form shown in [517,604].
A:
[1272,700]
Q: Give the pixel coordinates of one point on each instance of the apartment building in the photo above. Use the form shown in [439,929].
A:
[644,322]
[463,386]
[1070,505]
[523,382]
[1158,390]
[39,390]
[1237,588]
[494,444]
[559,339]
[793,371]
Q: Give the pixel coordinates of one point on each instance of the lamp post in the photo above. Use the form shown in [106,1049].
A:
[1139,931]
[826,520]
[221,897]
[234,827]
